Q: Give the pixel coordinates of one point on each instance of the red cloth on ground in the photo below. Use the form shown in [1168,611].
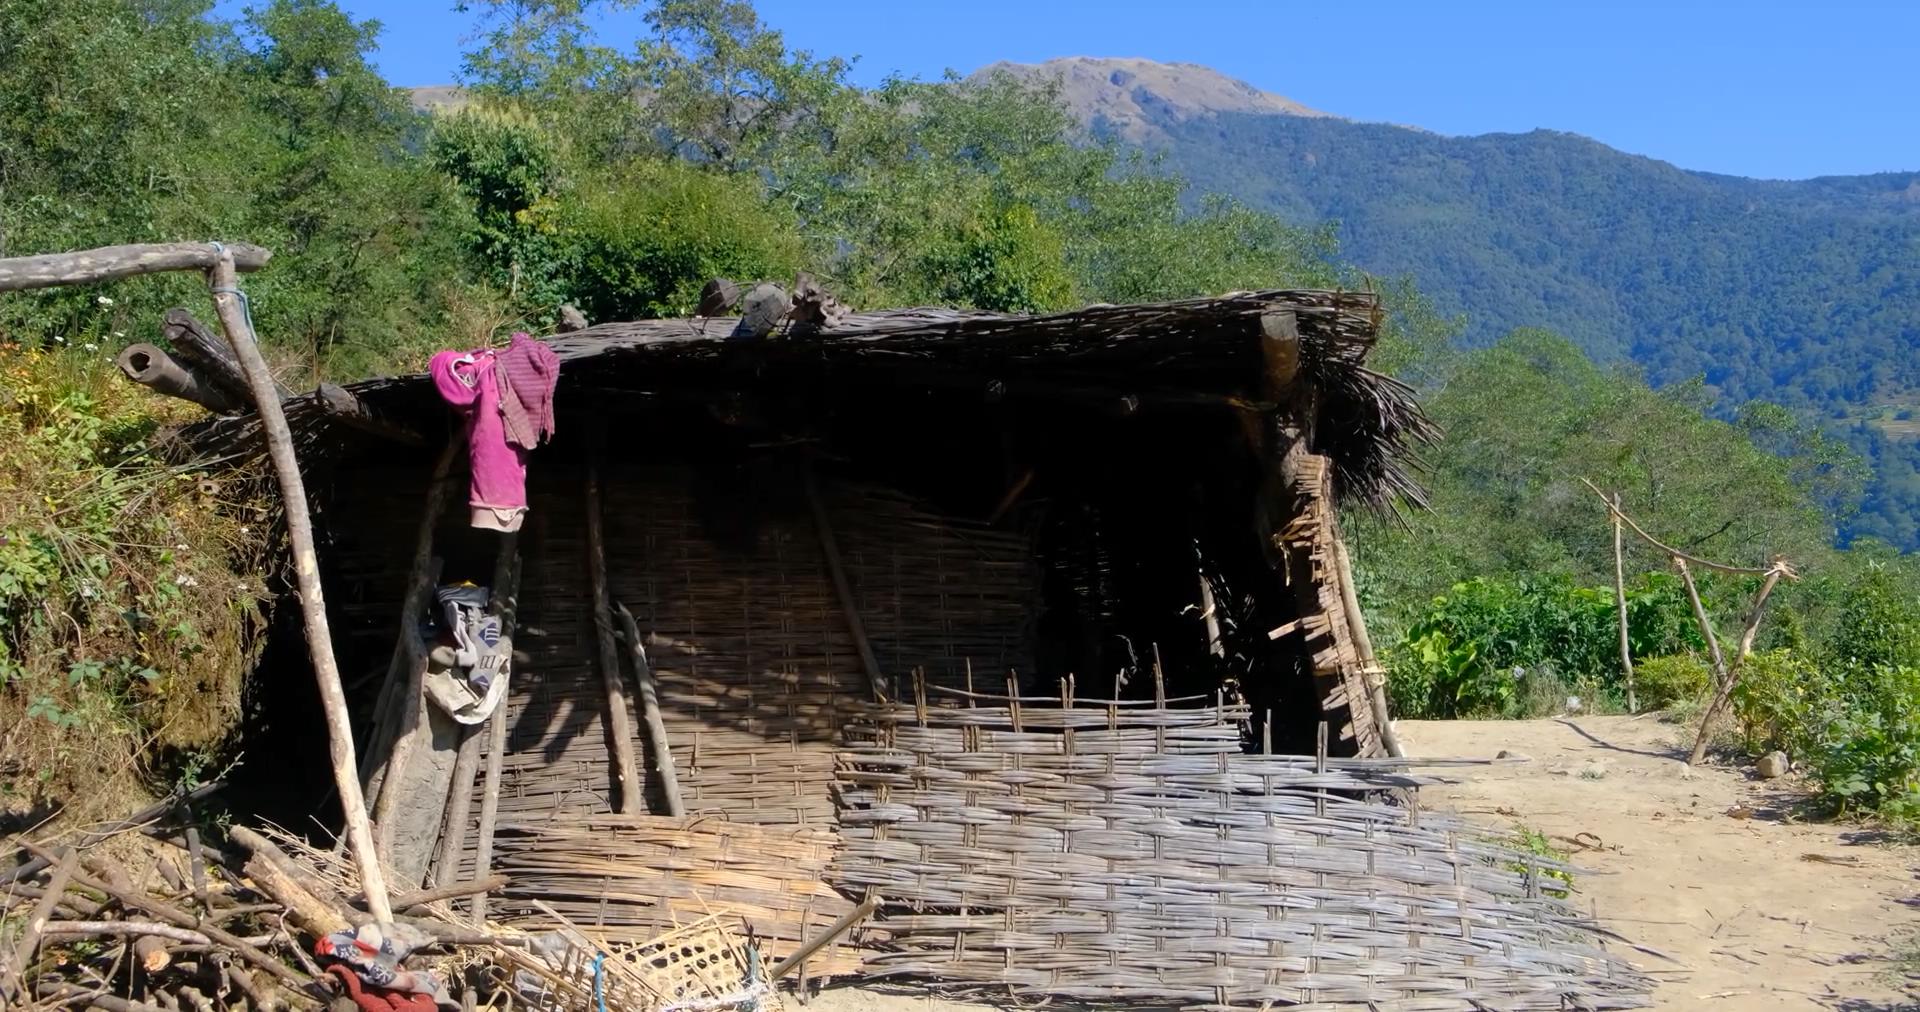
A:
[380,999]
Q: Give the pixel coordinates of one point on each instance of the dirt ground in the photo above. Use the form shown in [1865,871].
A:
[1758,908]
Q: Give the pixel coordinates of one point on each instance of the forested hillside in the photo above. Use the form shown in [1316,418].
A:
[130,595]
[1806,293]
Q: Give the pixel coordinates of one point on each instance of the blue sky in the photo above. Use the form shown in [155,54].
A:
[1761,88]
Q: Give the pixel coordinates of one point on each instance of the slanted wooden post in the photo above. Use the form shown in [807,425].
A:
[506,605]
[650,714]
[1725,691]
[626,771]
[235,320]
[1620,599]
[843,589]
[399,699]
[1363,644]
[1700,616]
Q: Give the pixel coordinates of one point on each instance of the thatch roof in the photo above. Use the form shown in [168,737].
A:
[1187,353]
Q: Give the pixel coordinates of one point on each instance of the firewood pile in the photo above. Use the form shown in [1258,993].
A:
[257,924]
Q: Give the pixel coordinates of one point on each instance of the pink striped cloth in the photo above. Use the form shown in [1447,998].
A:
[527,372]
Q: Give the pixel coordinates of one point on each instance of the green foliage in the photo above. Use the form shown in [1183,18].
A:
[124,617]
[1530,416]
[1674,679]
[146,122]
[643,242]
[1475,649]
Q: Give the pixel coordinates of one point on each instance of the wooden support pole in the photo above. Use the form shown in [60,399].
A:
[453,825]
[650,713]
[112,262]
[399,700]
[1620,599]
[626,772]
[843,590]
[1725,689]
[1673,552]
[1363,644]
[1700,616]
[506,606]
[234,319]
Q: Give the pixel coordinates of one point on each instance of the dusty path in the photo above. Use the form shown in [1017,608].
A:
[1756,922]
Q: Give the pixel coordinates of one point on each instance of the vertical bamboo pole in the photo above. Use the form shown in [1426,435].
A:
[506,605]
[626,772]
[1363,643]
[234,319]
[1620,599]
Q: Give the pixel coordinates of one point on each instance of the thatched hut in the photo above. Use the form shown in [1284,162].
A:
[878,569]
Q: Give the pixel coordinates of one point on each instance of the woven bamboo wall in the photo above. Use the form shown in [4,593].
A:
[1134,854]
[1338,674]
[634,878]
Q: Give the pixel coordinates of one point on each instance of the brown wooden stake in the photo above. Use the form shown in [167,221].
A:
[1363,643]
[650,714]
[459,807]
[1725,690]
[843,590]
[43,912]
[228,300]
[626,771]
[1620,599]
[400,691]
[819,941]
[1700,616]
[506,605]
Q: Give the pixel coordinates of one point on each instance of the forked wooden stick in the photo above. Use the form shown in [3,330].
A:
[234,319]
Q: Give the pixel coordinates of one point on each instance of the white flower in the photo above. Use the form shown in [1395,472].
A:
[180,547]
[183,580]
[90,346]
[240,587]
[59,339]
[119,333]
[245,530]
[103,300]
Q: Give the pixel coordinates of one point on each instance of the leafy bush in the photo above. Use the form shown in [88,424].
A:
[1774,700]
[1662,682]
[1479,650]
[1865,746]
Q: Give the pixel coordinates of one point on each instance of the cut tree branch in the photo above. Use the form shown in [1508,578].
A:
[112,262]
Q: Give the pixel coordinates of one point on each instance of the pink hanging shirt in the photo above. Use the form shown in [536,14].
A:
[499,470]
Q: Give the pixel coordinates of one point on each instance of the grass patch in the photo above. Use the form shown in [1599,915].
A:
[130,595]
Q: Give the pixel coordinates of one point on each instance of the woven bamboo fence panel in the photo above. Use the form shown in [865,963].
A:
[632,879]
[1115,853]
